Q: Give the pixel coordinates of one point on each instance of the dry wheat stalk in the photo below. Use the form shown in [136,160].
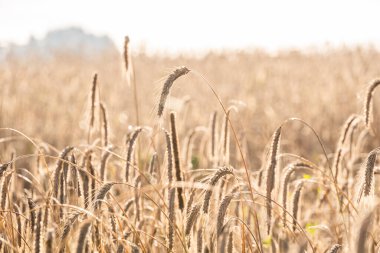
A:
[152,164]
[190,202]
[105,124]
[91,175]
[350,122]
[17,210]
[296,201]
[82,236]
[4,190]
[57,171]
[177,162]
[85,187]
[222,210]
[368,101]
[366,185]
[3,168]
[270,174]
[126,53]
[32,212]
[363,231]
[102,193]
[46,220]
[103,162]
[74,176]
[230,244]
[199,241]
[213,136]
[128,204]
[171,220]
[221,172]
[68,225]
[226,138]
[169,152]
[178,72]
[93,94]
[335,248]
[38,233]
[49,241]
[284,185]
[191,218]
[137,186]
[130,152]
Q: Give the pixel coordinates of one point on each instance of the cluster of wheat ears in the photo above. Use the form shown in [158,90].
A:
[159,196]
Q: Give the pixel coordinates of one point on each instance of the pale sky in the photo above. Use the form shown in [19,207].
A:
[173,25]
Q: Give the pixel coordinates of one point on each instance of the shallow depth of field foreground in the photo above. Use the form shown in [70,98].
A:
[230,152]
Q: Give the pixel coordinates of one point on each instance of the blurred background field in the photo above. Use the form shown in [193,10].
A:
[45,94]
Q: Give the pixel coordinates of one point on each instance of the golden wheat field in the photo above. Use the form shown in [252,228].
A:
[235,151]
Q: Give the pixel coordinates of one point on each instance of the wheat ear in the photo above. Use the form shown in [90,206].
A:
[368,101]
[284,185]
[171,220]
[102,193]
[221,172]
[363,231]
[130,152]
[178,72]
[270,174]
[366,185]
[177,162]
[350,122]
[335,248]
[105,124]
[223,210]
[57,171]
[38,233]
[82,236]
[296,201]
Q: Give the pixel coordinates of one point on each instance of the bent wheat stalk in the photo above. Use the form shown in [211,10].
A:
[368,101]
[178,72]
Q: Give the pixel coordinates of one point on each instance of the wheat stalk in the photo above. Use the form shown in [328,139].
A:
[102,193]
[230,244]
[178,72]
[177,162]
[222,210]
[284,185]
[82,236]
[221,172]
[38,233]
[363,231]
[350,122]
[366,185]
[191,218]
[3,168]
[335,248]
[105,123]
[171,220]
[103,162]
[271,173]
[130,152]
[368,101]
[296,201]
[57,171]
[126,53]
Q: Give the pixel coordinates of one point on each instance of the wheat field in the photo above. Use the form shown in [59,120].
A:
[236,151]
